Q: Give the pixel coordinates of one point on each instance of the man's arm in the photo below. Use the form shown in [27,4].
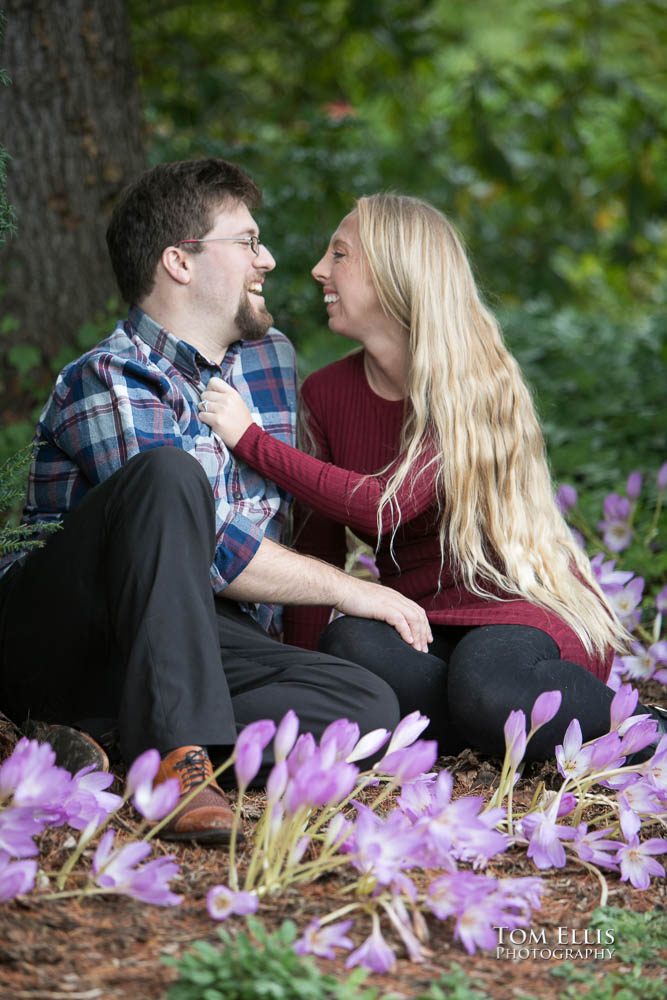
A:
[277,574]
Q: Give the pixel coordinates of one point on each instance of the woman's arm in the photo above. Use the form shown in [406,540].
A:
[347,497]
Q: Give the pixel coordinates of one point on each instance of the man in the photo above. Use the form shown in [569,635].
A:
[151,605]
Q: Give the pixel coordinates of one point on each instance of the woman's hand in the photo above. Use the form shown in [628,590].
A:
[224,411]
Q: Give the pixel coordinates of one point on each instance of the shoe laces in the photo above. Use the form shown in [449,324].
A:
[194,768]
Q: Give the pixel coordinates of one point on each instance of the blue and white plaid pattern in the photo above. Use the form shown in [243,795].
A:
[139,389]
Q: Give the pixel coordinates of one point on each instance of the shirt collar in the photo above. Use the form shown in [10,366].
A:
[182,355]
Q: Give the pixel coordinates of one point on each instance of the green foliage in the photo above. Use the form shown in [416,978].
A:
[16,538]
[539,127]
[264,966]
[259,966]
[455,984]
[638,938]
[599,388]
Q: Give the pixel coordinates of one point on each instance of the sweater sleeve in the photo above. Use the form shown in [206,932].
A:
[346,497]
[314,534]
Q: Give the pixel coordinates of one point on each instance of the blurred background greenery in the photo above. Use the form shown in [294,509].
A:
[539,127]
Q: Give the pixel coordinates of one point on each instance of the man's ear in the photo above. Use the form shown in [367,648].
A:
[177,264]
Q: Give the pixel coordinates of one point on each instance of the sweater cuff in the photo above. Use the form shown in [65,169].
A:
[246,444]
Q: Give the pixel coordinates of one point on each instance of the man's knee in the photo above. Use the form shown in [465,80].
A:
[378,706]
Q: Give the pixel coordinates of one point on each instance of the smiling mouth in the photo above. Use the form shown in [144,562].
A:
[255,288]
[330,297]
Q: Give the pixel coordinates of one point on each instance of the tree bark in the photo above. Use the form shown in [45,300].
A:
[71,122]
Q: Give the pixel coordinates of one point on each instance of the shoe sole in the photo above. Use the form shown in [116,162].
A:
[205,837]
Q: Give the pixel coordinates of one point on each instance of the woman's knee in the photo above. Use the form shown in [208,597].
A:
[352,638]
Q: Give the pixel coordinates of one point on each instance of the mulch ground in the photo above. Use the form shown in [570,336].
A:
[112,947]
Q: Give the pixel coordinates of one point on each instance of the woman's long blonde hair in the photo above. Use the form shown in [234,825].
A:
[471,413]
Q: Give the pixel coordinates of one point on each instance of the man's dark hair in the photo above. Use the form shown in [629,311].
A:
[171,202]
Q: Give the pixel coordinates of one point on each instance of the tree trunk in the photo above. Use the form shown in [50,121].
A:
[71,123]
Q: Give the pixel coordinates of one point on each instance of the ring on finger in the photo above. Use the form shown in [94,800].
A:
[203,406]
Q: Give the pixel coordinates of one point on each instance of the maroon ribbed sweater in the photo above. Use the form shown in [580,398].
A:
[357,430]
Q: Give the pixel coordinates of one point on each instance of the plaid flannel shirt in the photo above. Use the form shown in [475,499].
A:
[139,389]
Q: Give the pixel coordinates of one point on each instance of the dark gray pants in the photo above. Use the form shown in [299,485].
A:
[116,618]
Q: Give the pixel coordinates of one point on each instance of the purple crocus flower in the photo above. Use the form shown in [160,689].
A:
[374,954]
[319,782]
[384,847]
[369,564]
[87,800]
[607,575]
[566,498]
[633,486]
[545,708]
[339,739]
[222,902]
[323,941]
[572,758]
[615,527]
[117,871]
[544,837]
[30,777]
[404,765]
[368,745]
[417,795]
[153,803]
[16,877]
[644,663]
[606,752]
[626,600]
[18,826]
[156,803]
[455,828]
[286,734]
[150,882]
[407,731]
[250,746]
[276,781]
[594,846]
[622,705]
[304,748]
[662,477]
[638,864]
[661,599]
[143,771]
[638,798]
[515,737]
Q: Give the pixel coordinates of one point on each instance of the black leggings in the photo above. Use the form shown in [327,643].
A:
[472,678]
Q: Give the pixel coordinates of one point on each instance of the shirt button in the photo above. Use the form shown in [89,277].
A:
[237,495]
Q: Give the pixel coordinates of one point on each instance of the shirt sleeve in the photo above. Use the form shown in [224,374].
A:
[112,409]
[347,497]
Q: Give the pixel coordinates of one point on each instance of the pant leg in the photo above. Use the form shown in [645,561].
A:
[418,679]
[266,678]
[497,668]
[115,616]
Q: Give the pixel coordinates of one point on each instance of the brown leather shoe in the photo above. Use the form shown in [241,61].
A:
[208,817]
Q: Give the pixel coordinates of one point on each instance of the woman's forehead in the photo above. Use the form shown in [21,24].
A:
[348,229]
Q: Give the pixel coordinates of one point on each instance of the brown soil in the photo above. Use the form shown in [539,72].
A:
[111,947]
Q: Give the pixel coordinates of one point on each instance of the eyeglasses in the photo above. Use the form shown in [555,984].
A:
[253,242]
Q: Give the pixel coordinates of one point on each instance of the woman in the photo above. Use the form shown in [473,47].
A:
[450,484]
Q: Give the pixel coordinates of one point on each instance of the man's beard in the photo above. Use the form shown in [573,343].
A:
[252,324]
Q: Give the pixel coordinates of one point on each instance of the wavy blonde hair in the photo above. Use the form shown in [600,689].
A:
[472,416]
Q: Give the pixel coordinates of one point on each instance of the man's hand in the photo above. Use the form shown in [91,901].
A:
[372,600]
[225,412]
[280,575]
